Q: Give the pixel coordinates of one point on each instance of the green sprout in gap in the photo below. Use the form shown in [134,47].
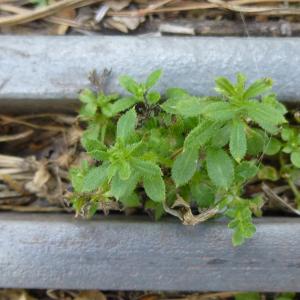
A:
[150,151]
[286,149]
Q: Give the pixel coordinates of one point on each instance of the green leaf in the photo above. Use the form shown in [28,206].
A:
[285,296]
[266,116]
[76,176]
[94,178]
[219,167]
[129,84]
[255,141]
[240,85]
[88,111]
[272,147]
[186,105]
[170,106]
[238,142]
[224,87]
[295,158]
[248,296]
[126,124]
[153,97]
[95,148]
[219,111]
[185,166]
[156,207]
[257,88]
[241,223]
[124,188]
[191,106]
[245,171]
[153,78]
[146,168]
[268,173]
[124,170]
[122,104]
[130,201]
[221,136]
[287,133]
[202,194]
[176,93]
[155,187]
[201,134]
[237,238]
[87,96]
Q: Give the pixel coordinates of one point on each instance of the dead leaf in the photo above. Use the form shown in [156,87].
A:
[176,29]
[68,14]
[182,210]
[272,195]
[90,295]
[13,294]
[124,24]
[18,136]
[117,5]
[41,177]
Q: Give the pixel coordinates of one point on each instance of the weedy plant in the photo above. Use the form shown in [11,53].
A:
[286,149]
[179,153]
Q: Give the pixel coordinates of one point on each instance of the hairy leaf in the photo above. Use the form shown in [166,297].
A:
[272,146]
[155,187]
[257,88]
[266,116]
[185,166]
[95,149]
[202,194]
[238,142]
[124,188]
[201,134]
[126,124]
[268,173]
[95,178]
[124,170]
[153,97]
[255,141]
[245,171]
[295,158]
[225,87]
[191,106]
[219,167]
[153,78]
[219,111]
[122,104]
[176,93]
[146,168]
[129,84]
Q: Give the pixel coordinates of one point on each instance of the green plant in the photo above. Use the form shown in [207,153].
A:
[153,152]
[286,149]
[39,3]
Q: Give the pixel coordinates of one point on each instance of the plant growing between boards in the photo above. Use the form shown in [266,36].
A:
[180,153]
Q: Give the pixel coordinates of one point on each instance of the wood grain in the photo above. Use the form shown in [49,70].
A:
[121,253]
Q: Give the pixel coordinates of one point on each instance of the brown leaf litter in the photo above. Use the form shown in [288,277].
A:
[38,151]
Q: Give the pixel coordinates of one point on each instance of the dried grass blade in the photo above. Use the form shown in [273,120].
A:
[13,137]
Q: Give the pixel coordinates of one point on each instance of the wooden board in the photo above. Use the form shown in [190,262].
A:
[57,251]
[56,68]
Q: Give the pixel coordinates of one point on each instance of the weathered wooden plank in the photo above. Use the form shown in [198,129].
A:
[57,67]
[56,251]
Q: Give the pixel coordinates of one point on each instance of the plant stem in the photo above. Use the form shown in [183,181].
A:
[103,132]
[294,190]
